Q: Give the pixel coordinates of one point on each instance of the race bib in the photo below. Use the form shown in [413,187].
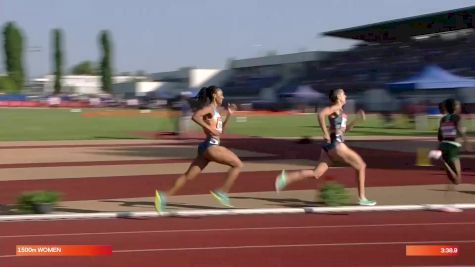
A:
[219,125]
[448,129]
[214,141]
[344,119]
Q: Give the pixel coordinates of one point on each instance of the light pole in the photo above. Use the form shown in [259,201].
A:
[32,50]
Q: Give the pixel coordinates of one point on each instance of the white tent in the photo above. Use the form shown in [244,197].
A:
[305,92]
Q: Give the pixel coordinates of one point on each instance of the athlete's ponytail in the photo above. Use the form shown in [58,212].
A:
[333,95]
[201,97]
[206,95]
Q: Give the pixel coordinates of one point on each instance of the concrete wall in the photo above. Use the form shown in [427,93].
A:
[280,59]
[82,84]
[188,78]
[144,87]
[218,79]
[198,77]
[134,88]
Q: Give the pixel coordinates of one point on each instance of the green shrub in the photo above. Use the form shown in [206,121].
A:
[334,194]
[26,201]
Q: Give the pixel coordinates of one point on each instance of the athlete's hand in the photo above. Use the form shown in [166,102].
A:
[362,115]
[231,108]
[327,139]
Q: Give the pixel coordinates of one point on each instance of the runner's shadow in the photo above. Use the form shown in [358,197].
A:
[115,137]
[456,191]
[11,210]
[153,151]
[151,204]
[285,202]
[295,203]
[189,206]
[7,210]
[468,192]
[74,210]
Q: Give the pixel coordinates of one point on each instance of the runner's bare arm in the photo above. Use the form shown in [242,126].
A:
[198,118]
[361,116]
[462,131]
[322,115]
[229,111]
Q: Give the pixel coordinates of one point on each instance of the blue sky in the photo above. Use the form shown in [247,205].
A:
[159,35]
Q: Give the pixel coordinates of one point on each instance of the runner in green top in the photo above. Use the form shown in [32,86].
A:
[449,134]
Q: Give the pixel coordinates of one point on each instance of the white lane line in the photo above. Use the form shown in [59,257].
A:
[242,229]
[228,212]
[297,245]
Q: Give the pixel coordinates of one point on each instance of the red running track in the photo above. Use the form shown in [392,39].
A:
[144,185]
[360,239]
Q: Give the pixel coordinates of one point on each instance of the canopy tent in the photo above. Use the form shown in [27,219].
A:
[433,77]
[307,92]
[303,92]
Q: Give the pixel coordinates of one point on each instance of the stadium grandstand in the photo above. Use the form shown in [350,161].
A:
[388,51]
[397,49]
[264,77]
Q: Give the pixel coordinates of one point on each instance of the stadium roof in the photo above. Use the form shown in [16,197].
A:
[280,59]
[405,28]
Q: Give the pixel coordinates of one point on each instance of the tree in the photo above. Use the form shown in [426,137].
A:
[7,46]
[58,59]
[106,68]
[7,85]
[84,68]
[13,48]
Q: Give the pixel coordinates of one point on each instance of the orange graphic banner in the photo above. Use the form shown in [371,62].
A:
[62,250]
[438,250]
